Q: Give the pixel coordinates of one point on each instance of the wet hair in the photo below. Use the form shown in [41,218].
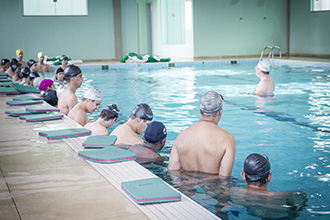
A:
[142,111]
[256,169]
[4,61]
[109,112]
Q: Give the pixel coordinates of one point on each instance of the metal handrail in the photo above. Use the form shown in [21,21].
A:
[271,53]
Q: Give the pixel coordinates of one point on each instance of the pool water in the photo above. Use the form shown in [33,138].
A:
[292,128]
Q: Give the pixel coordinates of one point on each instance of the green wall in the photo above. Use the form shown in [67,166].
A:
[238,27]
[309,31]
[87,37]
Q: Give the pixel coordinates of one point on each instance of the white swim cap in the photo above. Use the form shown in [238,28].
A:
[264,66]
[36,82]
[93,94]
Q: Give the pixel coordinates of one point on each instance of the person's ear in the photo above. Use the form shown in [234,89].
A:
[243,176]
[269,177]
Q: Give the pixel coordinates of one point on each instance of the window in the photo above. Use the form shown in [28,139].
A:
[55,7]
[320,5]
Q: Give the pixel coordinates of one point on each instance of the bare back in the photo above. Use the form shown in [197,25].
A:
[203,147]
[265,87]
[78,115]
[67,101]
[96,128]
[126,136]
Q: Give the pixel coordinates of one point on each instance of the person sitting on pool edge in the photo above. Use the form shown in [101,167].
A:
[154,140]
[90,103]
[204,146]
[67,100]
[107,118]
[127,133]
[266,85]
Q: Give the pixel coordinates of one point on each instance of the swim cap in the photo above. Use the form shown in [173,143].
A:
[264,66]
[31,62]
[44,84]
[50,97]
[4,61]
[18,51]
[211,102]
[37,82]
[155,132]
[256,167]
[113,109]
[40,54]
[14,66]
[59,70]
[63,57]
[143,111]
[34,75]
[93,94]
[22,73]
[71,71]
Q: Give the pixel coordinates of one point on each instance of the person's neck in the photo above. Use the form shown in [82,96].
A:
[210,119]
[256,187]
[132,124]
[101,122]
[72,88]
[150,146]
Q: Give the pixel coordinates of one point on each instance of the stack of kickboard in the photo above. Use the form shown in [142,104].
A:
[7,86]
[33,113]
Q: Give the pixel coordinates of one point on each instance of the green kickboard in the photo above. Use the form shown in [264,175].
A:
[5,84]
[24,102]
[99,141]
[150,191]
[27,97]
[107,155]
[5,80]
[25,89]
[65,133]
[8,90]
[40,117]
[3,77]
[19,113]
[3,74]
[42,109]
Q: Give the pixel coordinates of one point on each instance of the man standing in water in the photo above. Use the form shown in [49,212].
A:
[266,86]
[204,146]
[68,99]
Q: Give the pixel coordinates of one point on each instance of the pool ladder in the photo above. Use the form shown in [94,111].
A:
[271,52]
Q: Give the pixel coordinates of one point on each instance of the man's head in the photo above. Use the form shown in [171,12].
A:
[72,74]
[110,114]
[5,63]
[60,74]
[50,97]
[143,113]
[263,66]
[64,60]
[155,133]
[32,65]
[41,57]
[23,73]
[19,54]
[93,98]
[36,82]
[32,76]
[211,103]
[256,170]
[15,65]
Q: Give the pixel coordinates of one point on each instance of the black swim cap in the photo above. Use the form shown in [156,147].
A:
[22,73]
[143,111]
[63,57]
[71,71]
[59,70]
[4,61]
[50,97]
[31,62]
[34,75]
[256,167]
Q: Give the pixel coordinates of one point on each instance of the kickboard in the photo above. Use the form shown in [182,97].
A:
[5,80]
[3,77]
[19,113]
[3,74]
[24,102]
[27,97]
[25,89]
[65,133]
[99,141]
[8,90]
[42,109]
[107,155]
[40,117]
[6,84]
[150,191]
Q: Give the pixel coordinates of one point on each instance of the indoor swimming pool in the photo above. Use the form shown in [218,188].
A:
[292,128]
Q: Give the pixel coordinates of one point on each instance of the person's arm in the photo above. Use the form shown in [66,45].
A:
[174,161]
[72,102]
[228,159]
[260,89]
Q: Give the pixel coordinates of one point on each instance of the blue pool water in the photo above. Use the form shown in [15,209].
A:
[292,128]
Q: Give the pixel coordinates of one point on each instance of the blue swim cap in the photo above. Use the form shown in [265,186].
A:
[71,71]
[256,167]
[143,111]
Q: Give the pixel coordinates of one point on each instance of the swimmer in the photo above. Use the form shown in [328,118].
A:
[32,77]
[5,64]
[50,97]
[68,99]
[154,140]
[266,85]
[15,66]
[90,103]
[59,72]
[107,118]
[32,64]
[127,133]
[19,57]
[46,84]
[42,67]
[204,146]
[23,75]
